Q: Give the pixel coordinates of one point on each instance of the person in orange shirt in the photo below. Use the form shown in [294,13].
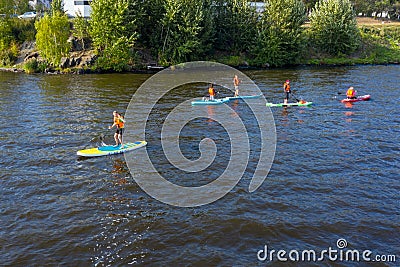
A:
[119,122]
[211,91]
[236,83]
[351,93]
[286,89]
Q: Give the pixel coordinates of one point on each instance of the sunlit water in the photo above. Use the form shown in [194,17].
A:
[335,174]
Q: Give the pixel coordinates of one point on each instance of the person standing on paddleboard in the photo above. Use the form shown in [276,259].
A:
[236,83]
[211,91]
[351,93]
[119,122]
[286,89]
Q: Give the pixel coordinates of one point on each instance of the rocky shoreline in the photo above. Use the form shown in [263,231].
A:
[79,61]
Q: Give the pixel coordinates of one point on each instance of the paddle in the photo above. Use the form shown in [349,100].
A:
[101,137]
[294,96]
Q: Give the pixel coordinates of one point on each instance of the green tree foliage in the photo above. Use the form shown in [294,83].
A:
[81,29]
[280,36]
[181,28]
[23,30]
[147,14]
[5,34]
[109,30]
[6,7]
[57,6]
[14,32]
[235,25]
[13,6]
[8,48]
[396,10]
[367,7]
[208,28]
[309,4]
[52,36]
[334,27]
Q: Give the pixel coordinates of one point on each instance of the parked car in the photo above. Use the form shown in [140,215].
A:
[28,15]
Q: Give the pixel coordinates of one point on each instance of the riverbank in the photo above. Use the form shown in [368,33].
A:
[380,44]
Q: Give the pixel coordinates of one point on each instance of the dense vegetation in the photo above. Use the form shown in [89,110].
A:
[53,31]
[230,31]
[280,33]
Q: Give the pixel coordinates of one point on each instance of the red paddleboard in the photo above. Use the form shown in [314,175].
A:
[359,98]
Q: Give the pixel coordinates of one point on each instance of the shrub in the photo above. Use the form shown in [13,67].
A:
[280,38]
[51,39]
[23,30]
[31,66]
[334,27]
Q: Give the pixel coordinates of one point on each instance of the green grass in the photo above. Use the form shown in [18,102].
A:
[379,45]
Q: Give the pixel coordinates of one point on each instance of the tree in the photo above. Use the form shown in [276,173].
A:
[236,25]
[6,7]
[148,14]
[13,6]
[182,25]
[57,6]
[80,29]
[383,5]
[109,30]
[396,10]
[280,36]
[365,7]
[309,4]
[334,27]
[5,34]
[8,47]
[52,36]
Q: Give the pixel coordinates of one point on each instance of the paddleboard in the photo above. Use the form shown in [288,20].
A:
[243,97]
[359,98]
[210,102]
[110,150]
[288,104]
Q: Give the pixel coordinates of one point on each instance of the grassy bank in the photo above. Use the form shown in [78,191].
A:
[380,44]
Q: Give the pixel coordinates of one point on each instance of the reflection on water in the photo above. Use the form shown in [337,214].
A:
[335,173]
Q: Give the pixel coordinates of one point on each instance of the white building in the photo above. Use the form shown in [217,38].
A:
[260,6]
[74,7]
[71,7]
[45,3]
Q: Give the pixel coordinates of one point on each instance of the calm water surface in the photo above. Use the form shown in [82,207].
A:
[335,175]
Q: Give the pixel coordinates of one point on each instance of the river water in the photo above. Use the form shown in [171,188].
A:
[335,176]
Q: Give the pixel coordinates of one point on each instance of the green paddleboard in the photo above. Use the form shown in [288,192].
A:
[288,104]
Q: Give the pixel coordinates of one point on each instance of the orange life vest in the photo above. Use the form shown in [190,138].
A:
[350,93]
[119,121]
[211,91]
[286,87]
